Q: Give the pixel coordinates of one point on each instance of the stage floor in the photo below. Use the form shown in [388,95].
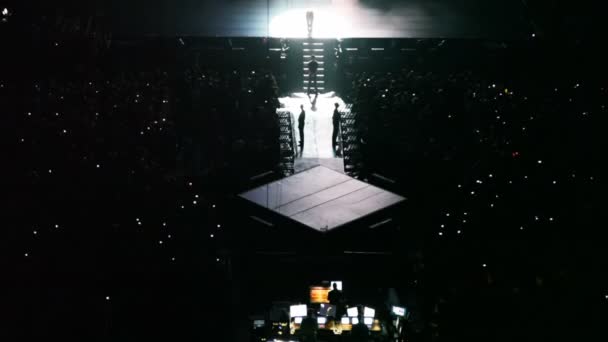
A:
[321,198]
[318,129]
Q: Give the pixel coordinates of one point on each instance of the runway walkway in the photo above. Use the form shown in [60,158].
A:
[318,129]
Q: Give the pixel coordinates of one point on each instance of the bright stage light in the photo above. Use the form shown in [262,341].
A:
[328,23]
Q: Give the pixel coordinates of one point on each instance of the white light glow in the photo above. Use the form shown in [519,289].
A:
[328,23]
[399,311]
[298,310]
[338,283]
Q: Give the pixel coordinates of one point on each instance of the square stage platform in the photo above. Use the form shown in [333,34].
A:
[321,198]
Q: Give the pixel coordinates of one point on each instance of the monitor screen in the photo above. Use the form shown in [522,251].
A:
[354,320]
[398,311]
[319,294]
[297,320]
[337,282]
[321,320]
[298,310]
[368,320]
[345,320]
[369,312]
[258,323]
[327,310]
[352,312]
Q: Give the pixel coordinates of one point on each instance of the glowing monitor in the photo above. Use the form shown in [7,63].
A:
[345,320]
[298,310]
[368,320]
[327,310]
[298,320]
[321,320]
[352,312]
[354,320]
[318,294]
[398,311]
[337,282]
[369,312]
[258,323]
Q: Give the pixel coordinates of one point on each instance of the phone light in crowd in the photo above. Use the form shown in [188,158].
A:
[369,312]
[5,14]
[368,320]
[398,311]
[345,320]
[321,320]
[298,320]
[352,312]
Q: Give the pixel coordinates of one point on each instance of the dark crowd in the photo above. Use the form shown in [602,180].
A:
[124,156]
[501,169]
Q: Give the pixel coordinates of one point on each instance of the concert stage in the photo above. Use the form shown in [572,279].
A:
[321,198]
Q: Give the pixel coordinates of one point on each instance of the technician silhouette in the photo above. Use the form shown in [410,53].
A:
[336,298]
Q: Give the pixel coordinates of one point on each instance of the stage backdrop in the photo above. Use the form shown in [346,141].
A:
[333,18]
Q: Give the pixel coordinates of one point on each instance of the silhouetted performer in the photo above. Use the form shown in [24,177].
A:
[313,67]
[301,121]
[310,17]
[336,123]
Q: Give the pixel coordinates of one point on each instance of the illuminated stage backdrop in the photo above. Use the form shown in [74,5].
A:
[333,18]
